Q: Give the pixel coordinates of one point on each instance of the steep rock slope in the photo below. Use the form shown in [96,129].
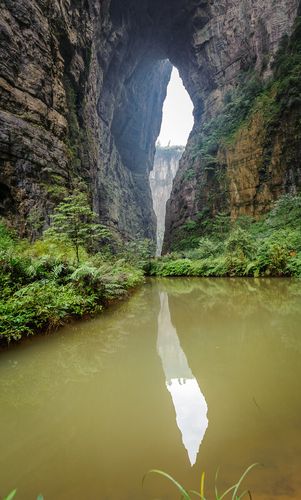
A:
[243,152]
[82,83]
[161,177]
[39,45]
[81,105]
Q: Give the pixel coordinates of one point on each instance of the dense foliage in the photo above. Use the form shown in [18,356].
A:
[44,284]
[268,247]
[74,221]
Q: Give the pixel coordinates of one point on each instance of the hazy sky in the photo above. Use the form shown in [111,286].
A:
[177,113]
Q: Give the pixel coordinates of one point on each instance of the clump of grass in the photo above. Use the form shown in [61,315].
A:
[187,494]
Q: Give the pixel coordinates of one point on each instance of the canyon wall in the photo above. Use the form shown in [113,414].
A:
[82,83]
[161,177]
[81,94]
[245,147]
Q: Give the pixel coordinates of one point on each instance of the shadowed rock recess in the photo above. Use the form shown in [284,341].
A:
[82,84]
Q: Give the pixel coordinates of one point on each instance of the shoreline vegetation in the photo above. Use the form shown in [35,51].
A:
[268,247]
[77,268]
[73,271]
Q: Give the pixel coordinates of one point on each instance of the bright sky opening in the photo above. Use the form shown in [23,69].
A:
[177,113]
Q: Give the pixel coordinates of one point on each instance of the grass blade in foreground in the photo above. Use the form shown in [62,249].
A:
[241,480]
[184,493]
[197,494]
[203,484]
[11,495]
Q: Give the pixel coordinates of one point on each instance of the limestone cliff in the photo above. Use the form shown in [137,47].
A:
[161,178]
[39,46]
[243,152]
[82,83]
[81,98]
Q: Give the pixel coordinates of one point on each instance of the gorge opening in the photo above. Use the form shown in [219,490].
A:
[177,123]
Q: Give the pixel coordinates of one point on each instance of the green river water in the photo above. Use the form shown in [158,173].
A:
[185,376]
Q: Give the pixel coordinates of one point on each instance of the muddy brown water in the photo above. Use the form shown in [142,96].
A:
[185,376]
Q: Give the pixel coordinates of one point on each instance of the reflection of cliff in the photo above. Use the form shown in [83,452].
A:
[161,179]
[189,402]
[174,361]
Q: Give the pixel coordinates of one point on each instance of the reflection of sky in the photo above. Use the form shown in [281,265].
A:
[188,400]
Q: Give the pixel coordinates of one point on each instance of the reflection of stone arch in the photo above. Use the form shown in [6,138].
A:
[188,400]
[174,361]
[6,199]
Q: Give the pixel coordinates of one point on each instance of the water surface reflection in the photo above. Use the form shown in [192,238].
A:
[85,412]
[189,402]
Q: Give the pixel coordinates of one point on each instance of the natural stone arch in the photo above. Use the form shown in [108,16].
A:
[75,120]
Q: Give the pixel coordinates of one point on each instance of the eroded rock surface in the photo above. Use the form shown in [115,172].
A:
[82,83]
[81,93]
[233,41]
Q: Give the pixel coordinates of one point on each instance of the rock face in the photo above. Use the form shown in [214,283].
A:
[161,178]
[82,83]
[243,175]
[37,43]
[81,102]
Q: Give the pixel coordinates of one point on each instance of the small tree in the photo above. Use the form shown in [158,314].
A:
[240,243]
[221,225]
[74,220]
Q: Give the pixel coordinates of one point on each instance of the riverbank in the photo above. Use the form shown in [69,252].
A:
[43,286]
[269,247]
[226,266]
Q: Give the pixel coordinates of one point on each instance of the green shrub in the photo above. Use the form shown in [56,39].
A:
[181,267]
[209,248]
[286,212]
[268,247]
[137,252]
[7,239]
[41,289]
[210,267]
[294,266]
[240,243]
[37,306]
